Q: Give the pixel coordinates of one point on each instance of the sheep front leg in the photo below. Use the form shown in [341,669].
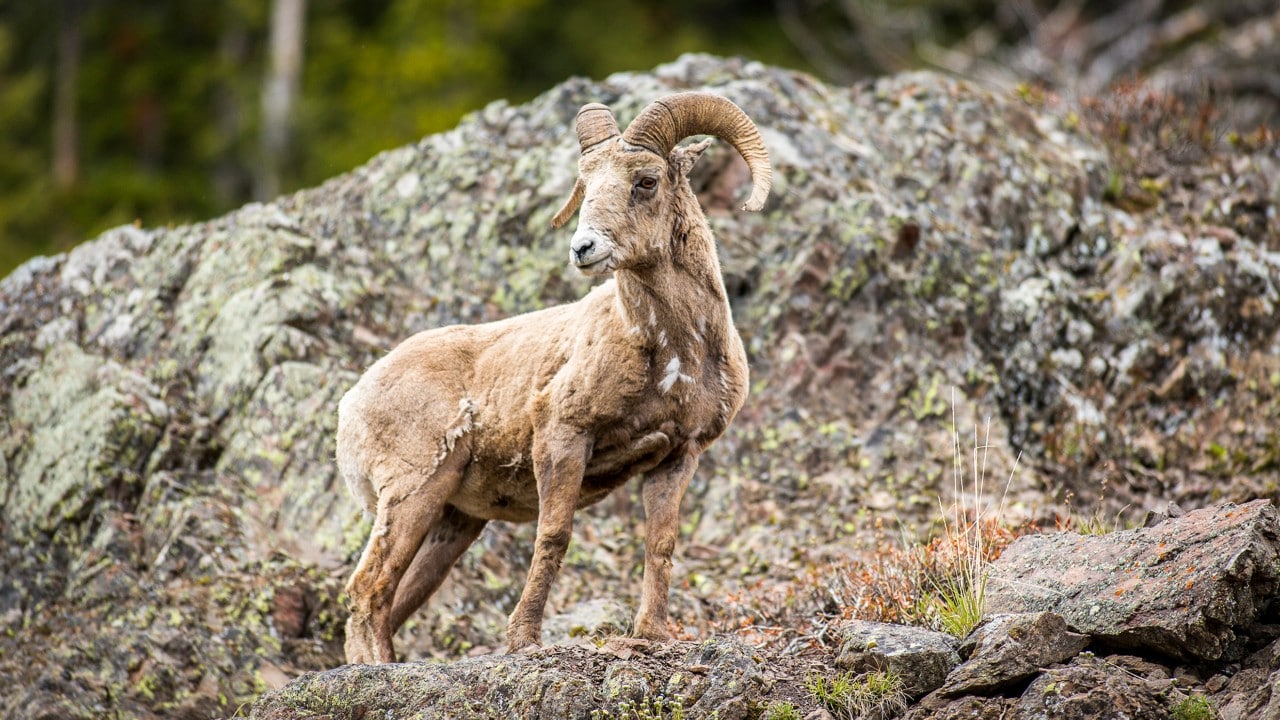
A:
[560,458]
[663,489]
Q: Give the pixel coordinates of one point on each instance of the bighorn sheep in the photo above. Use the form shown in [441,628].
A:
[535,416]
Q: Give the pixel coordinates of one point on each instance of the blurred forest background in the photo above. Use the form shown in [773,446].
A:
[116,111]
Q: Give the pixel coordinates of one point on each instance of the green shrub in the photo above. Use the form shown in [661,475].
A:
[650,708]
[870,695]
[1195,707]
[782,711]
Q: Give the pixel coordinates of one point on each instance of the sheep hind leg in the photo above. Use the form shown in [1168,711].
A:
[445,543]
[663,489]
[407,510]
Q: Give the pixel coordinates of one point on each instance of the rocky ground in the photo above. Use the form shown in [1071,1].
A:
[1157,622]
[1086,288]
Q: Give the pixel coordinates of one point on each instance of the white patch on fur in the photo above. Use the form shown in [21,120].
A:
[635,330]
[653,319]
[463,424]
[662,338]
[672,374]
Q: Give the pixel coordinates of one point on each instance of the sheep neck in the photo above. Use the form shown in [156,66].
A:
[679,304]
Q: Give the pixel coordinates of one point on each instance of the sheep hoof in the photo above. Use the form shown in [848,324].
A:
[652,632]
[521,638]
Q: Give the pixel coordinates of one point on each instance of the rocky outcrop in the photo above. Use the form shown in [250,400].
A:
[1017,666]
[173,538]
[720,677]
[1184,587]
[1030,665]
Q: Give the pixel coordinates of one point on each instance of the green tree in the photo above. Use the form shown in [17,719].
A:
[168,101]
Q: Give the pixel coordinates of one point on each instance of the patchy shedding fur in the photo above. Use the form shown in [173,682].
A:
[532,417]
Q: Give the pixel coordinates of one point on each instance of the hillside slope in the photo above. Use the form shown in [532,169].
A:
[174,538]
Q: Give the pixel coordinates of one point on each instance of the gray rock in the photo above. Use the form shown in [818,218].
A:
[922,658]
[1253,692]
[1186,587]
[93,424]
[733,678]
[1009,649]
[558,682]
[1087,688]
[588,621]
[1090,688]
[965,708]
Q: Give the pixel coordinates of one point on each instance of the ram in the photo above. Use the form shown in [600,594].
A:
[533,417]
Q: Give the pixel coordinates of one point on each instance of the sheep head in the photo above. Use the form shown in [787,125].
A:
[633,187]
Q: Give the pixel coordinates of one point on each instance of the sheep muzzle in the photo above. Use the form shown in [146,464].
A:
[590,251]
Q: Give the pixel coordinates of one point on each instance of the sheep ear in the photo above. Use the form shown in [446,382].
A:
[683,159]
[570,206]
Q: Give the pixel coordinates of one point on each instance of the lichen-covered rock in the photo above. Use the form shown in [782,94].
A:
[1009,649]
[1186,587]
[922,658]
[1090,688]
[93,425]
[1087,688]
[732,682]
[971,707]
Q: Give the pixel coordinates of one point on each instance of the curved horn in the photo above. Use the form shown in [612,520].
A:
[671,119]
[595,124]
[571,205]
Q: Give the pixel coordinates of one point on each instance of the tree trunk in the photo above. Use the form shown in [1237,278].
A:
[232,179]
[66,160]
[281,87]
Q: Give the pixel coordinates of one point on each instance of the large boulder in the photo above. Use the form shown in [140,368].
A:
[1189,587]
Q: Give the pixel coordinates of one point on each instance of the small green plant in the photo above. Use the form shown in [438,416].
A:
[955,603]
[650,708]
[782,711]
[876,694]
[1195,707]
[1097,524]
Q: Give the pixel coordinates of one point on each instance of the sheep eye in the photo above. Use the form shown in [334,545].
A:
[647,183]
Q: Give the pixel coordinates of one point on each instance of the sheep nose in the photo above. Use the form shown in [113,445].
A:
[582,246]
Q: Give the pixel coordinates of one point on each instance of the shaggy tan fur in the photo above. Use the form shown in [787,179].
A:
[535,416]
